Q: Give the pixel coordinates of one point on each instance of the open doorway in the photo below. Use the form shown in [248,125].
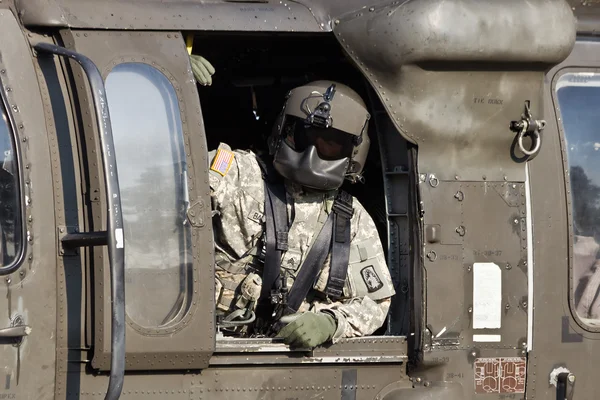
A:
[254,72]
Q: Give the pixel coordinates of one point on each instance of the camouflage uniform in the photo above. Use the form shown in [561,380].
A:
[238,196]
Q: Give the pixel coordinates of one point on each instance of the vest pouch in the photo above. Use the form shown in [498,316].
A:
[229,290]
[249,290]
[241,266]
[321,282]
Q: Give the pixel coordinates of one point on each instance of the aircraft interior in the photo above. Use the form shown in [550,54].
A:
[254,73]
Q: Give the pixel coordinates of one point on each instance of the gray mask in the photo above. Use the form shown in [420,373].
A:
[308,169]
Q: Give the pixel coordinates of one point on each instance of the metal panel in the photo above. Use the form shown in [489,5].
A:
[461,126]
[188,343]
[68,183]
[454,97]
[479,223]
[396,181]
[113,236]
[324,382]
[226,14]
[274,15]
[559,341]
[365,350]
[27,295]
[588,16]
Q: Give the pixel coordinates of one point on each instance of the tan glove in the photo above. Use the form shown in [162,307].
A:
[202,69]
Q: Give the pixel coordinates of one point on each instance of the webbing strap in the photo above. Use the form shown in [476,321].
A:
[310,267]
[340,248]
[334,235]
[275,244]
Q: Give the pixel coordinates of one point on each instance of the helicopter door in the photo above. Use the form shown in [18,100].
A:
[28,268]
[160,150]
[565,188]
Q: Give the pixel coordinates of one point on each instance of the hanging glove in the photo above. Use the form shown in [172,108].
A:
[308,329]
[202,69]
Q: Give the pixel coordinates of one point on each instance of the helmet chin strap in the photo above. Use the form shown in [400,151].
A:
[313,190]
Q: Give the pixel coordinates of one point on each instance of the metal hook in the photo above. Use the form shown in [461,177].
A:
[528,125]
[537,142]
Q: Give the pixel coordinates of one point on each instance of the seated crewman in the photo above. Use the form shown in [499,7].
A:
[295,256]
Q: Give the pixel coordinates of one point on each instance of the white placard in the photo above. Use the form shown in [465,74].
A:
[119,237]
[487,296]
[487,338]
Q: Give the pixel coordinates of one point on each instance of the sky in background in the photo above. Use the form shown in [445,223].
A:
[580,111]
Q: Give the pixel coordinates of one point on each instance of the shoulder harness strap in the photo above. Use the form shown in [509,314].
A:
[276,238]
[340,248]
[309,270]
[334,235]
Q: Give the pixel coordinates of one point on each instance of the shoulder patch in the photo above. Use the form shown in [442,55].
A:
[371,279]
[222,161]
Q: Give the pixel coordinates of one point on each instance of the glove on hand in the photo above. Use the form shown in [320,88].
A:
[202,69]
[308,330]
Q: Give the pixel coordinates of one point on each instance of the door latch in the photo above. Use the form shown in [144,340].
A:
[15,333]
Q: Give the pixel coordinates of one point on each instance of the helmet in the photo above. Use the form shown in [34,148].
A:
[320,137]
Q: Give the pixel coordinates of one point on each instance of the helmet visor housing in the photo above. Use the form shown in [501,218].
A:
[331,144]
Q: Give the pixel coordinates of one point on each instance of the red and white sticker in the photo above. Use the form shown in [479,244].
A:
[500,375]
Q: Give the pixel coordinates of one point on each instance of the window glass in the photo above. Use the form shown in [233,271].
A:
[150,152]
[578,96]
[11,232]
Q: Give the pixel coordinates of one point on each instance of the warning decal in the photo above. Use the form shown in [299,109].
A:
[500,375]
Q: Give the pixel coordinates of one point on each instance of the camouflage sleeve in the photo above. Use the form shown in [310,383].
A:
[358,317]
[369,286]
[230,171]
[222,165]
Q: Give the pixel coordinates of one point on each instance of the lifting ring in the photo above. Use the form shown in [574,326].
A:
[537,141]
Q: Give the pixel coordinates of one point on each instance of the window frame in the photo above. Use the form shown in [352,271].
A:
[20,186]
[193,343]
[568,195]
[171,327]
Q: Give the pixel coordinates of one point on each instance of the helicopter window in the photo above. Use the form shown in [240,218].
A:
[152,169]
[578,96]
[11,233]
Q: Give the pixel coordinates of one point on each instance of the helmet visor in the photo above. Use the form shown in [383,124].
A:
[331,143]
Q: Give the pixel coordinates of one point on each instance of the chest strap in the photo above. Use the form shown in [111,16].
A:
[309,270]
[340,246]
[276,242]
[334,236]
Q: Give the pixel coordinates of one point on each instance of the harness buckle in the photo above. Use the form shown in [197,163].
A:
[278,297]
[282,240]
[279,294]
[342,205]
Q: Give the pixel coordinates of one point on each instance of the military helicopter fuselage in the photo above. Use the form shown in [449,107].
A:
[482,179]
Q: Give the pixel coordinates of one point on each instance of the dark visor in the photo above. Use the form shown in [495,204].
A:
[331,144]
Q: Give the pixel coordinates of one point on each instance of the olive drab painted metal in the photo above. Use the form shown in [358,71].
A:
[482,239]
[29,293]
[572,341]
[143,343]
[471,175]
